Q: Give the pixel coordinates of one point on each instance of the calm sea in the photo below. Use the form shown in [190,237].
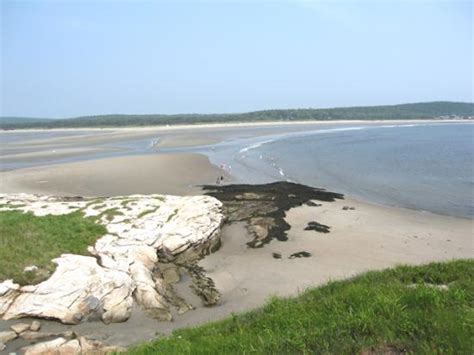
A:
[426,167]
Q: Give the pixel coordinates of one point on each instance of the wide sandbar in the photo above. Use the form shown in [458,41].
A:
[178,174]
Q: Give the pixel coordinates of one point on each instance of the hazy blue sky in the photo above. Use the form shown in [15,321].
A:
[66,58]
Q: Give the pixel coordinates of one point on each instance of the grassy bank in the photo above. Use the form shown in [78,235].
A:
[29,240]
[423,309]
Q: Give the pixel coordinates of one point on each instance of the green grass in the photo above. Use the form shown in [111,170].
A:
[374,311]
[29,240]
[144,213]
[110,214]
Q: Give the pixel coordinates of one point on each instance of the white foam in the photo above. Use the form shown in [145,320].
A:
[323,131]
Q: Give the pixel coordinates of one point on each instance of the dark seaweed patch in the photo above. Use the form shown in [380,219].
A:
[300,254]
[264,206]
[318,227]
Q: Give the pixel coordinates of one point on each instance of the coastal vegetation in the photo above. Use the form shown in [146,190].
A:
[409,309]
[428,110]
[27,240]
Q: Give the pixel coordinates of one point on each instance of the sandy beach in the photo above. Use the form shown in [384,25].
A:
[362,237]
[178,174]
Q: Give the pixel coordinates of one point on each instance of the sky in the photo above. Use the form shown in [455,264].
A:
[73,58]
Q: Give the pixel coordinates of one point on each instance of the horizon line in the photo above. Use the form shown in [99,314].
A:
[235,113]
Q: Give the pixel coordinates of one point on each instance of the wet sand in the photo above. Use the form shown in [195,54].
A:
[41,147]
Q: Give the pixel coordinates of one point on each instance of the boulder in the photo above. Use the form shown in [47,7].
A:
[57,346]
[31,268]
[96,347]
[20,327]
[35,325]
[30,335]
[6,336]
[62,346]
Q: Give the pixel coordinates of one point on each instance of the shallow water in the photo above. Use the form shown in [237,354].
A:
[423,166]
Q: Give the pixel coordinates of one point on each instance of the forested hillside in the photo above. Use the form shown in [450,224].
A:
[429,110]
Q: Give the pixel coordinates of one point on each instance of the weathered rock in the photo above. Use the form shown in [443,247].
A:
[35,325]
[203,286]
[6,336]
[124,263]
[71,347]
[9,291]
[170,273]
[47,347]
[31,268]
[63,346]
[264,206]
[79,289]
[260,227]
[20,327]
[89,346]
[30,335]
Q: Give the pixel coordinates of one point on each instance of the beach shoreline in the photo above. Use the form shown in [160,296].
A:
[235,124]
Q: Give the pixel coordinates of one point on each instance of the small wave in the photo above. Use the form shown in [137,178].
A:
[154,143]
[256,145]
[297,134]
[328,130]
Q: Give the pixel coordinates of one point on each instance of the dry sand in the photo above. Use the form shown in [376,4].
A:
[367,238]
[177,174]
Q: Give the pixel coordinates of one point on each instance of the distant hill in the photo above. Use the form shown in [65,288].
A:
[428,110]
[21,120]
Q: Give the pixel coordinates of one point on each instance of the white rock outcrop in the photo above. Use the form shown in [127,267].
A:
[62,346]
[123,265]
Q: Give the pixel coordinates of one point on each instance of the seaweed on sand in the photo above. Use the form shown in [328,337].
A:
[264,206]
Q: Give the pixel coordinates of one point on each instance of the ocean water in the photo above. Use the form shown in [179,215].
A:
[424,166]
[420,166]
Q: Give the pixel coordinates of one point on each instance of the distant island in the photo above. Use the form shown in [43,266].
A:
[427,110]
